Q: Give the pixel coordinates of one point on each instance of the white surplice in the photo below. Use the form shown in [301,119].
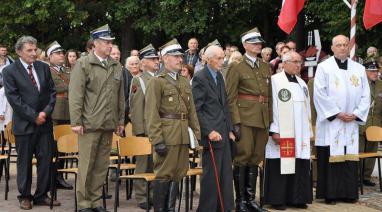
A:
[302,117]
[335,91]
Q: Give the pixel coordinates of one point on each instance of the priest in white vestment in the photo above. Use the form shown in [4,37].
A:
[287,165]
[342,101]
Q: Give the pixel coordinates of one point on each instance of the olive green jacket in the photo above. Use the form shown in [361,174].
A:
[61,83]
[246,78]
[137,103]
[165,98]
[96,95]
[374,117]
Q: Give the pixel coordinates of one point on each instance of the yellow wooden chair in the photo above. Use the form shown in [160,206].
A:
[373,134]
[129,147]
[68,144]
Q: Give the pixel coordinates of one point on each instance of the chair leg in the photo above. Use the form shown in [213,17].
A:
[6,179]
[193,183]
[103,196]
[379,174]
[75,192]
[361,177]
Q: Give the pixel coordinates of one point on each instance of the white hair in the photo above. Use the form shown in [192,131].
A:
[211,51]
[287,56]
[266,49]
[131,58]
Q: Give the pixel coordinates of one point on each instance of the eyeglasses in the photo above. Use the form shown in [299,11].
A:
[297,62]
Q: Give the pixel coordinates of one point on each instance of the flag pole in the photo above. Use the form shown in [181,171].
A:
[353,28]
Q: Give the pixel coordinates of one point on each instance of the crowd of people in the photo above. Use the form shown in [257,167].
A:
[249,112]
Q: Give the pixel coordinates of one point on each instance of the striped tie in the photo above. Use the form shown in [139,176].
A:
[30,73]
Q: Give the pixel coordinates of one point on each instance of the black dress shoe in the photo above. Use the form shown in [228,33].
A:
[99,209]
[279,207]
[368,183]
[144,206]
[62,184]
[330,201]
[25,204]
[86,210]
[46,202]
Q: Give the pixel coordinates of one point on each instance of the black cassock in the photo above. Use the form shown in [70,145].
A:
[287,189]
[335,181]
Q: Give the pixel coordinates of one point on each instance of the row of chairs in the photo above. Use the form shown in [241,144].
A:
[67,145]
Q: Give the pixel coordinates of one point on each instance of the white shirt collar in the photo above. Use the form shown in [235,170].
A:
[100,58]
[253,59]
[25,64]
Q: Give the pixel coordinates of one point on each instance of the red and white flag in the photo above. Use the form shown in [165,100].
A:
[288,14]
[372,13]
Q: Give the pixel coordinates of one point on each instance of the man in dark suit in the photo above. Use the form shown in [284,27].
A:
[215,123]
[30,91]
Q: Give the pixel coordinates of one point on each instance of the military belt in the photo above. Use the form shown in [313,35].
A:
[181,116]
[61,95]
[259,98]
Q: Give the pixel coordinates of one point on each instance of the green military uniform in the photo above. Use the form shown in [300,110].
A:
[165,98]
[374,118]
[249,98]
[96,97]
[253,79]
[61,78]
[170,112]
[144,163]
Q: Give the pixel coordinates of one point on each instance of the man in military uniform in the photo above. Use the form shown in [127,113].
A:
[170,112]
[96,103]
[149,65]
[61,77]
[374,118]
[249,98]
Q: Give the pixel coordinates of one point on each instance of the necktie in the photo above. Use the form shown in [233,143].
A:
[104,62]
[30,73]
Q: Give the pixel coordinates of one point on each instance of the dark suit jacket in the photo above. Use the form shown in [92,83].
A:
[27,102]
[127,77]
[211,107]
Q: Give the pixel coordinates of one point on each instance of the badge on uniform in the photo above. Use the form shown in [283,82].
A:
[284,95]
[133,88]
[306,91]
[170,99]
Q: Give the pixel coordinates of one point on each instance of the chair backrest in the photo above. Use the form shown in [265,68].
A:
[129,130]
[374,134]
[8,133]
[130,146]
[115,141]
[68,143]
[61,130]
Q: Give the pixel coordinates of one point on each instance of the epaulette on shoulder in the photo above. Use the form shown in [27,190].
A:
[161,75]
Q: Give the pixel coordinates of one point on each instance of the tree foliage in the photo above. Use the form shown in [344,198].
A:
[139,22]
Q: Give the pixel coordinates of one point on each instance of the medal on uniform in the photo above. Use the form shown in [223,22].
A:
[170,99]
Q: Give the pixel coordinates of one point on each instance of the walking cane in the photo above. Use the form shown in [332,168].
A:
[216,176]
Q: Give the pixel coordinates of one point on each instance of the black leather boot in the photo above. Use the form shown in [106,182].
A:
[161,188]
[172,195]
[250,189]
[239,180]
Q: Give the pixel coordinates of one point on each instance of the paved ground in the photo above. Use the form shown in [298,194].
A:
[370,201]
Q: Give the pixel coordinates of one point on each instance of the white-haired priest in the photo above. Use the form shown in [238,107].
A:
[287,165]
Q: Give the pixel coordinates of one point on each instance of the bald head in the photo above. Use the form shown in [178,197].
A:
[215,57]
[340,47]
